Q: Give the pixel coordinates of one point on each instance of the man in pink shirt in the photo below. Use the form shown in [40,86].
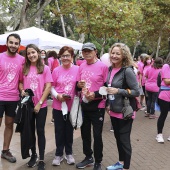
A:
[10,68]
[92,75]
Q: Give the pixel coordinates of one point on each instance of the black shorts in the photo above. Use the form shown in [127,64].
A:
[8,107]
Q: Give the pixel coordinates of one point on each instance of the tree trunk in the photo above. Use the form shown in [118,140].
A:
[81,38]
[71,32]
[62,20]
[103,46]
[158,46]
[24,22]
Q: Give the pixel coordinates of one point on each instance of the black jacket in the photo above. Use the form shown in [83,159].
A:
[23,120]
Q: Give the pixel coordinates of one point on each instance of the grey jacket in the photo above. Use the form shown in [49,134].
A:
[130,82]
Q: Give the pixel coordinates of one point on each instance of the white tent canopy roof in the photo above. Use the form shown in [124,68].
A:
[41,38]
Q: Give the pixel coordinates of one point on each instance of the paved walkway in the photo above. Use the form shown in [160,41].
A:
[147,153]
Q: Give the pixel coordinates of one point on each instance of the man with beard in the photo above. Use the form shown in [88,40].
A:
[10,68]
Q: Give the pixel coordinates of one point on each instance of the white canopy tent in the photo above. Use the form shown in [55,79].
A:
[41,38]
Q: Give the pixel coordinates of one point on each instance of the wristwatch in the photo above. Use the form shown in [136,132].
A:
[40,102]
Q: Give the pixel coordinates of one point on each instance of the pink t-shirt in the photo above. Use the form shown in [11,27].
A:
[114,114]
[143,74]
[10,71]
[36,82]
[151,75]
[79,62]
[51,61]
[64,83]
[95,76]
[165,73]
[140,66]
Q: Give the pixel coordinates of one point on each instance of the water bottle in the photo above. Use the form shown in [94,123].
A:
[110,96]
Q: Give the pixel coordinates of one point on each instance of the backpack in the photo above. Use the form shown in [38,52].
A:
[55,64]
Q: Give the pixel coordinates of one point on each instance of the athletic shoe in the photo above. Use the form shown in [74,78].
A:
[168,138]
[115,166]
[86,162]
[143,108]
[97,166]
[147,114]
[159,138]
[33,161]
[8,156]
[41,165]
[70,159]
[57,160]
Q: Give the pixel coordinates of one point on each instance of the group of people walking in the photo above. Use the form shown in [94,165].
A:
[154,87]
[19,73]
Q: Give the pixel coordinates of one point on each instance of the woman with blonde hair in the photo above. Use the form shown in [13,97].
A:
[123,82]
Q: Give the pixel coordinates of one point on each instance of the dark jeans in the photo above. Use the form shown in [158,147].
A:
[151,102]
[122,130]
[96,119]
[146,95]
[39,122]
[164,107]
[63,133]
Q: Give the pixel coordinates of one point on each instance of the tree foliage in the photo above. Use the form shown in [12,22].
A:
[102,21]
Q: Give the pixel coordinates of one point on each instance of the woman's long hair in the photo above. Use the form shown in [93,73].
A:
[145,60]
[127,57]
[39,64]
[46,58]
[158,63]
[52,54]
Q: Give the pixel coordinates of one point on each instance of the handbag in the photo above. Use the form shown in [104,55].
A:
[127,110]
[75,116]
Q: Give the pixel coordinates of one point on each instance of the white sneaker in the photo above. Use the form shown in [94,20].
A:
[70,159]
[159,138]
[57,160]
[168,138]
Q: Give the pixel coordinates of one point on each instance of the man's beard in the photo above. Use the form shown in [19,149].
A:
[12,52]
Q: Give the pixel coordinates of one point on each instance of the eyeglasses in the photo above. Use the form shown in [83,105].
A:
[65,56]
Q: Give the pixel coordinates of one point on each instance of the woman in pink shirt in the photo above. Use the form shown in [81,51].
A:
[164,99]
[63,90]
[151,86]
[147,63]
[37,77]
[123,83]
[53,61]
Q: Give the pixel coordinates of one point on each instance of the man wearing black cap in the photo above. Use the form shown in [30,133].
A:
[92,76]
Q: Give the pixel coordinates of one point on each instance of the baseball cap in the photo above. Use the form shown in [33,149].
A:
[89,46]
